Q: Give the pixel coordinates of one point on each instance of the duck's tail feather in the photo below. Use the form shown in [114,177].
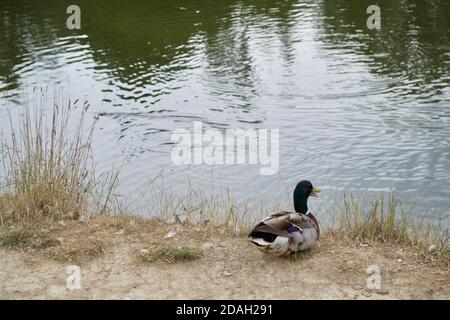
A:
[277,247]
[260,242]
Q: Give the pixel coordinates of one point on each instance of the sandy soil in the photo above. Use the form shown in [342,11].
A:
[229,268]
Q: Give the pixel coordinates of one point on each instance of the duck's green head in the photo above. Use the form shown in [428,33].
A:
[302,191]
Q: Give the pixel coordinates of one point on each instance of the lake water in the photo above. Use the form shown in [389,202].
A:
[357,109]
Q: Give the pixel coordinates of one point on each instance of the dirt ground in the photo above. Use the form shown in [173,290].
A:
[229,268]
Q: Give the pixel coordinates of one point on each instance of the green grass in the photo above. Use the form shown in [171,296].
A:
[169,253]
[15,239]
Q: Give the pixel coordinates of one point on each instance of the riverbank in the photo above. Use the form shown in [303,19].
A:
[109,252]
[64,234]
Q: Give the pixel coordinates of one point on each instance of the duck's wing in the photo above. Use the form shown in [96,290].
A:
[278,222]
[304,222]
[284,219]
[272,226]
[262,228]
[277,215]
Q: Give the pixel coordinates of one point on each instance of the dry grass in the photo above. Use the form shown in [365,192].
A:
[48,164]
[169,253]
[50,179]
[47,155]
[375,224]
[200,208]
[78,251]
[389,222]
[69,244]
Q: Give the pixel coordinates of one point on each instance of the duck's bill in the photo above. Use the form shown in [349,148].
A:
[315,192]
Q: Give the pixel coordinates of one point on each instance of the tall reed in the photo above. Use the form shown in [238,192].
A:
[47,160]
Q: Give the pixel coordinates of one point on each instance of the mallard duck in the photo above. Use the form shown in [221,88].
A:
[285,233]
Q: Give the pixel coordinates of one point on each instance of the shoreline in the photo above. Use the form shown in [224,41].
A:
[64,234]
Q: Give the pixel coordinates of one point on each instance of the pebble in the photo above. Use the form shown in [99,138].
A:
[172,233]
[207,245]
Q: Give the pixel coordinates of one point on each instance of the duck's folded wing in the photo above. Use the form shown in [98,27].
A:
[262,228]
[276,224]
[276,215]
[278,220]
[282,220]
[303,222]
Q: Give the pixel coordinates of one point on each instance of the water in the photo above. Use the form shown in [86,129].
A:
[357,109]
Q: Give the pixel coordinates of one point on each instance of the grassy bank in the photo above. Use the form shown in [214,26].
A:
[46,160]
[51,201]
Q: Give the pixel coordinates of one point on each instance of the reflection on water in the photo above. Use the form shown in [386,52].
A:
[360,109]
